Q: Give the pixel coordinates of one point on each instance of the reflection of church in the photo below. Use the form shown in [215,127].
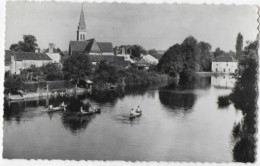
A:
[224,81]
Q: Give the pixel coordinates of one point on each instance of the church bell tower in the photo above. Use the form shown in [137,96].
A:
[81,32]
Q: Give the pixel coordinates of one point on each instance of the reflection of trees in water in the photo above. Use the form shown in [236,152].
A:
[107,96]
[244,97]
[12,111]
[177,100]
[75,123]
[199,83]
[71,118]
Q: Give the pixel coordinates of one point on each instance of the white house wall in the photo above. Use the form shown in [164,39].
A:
[17,66]
[224,67]
[55,57]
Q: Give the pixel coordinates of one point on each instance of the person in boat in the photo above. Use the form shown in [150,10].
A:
[133,112]
[62,104]
[50,106]
[138,110]
[82,111]
[91,109]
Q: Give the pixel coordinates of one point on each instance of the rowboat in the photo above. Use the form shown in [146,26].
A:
[137,114]
[86,113]
[54,109]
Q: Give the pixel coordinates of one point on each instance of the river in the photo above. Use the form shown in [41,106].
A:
[176,125]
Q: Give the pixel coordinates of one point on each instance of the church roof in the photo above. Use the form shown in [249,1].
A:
[82,24]
[224,58]
[19,56]
[105,46]
[91,46]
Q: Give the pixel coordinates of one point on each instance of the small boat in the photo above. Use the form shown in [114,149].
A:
[16,98]
[54,109]
[85,113]
[137,114]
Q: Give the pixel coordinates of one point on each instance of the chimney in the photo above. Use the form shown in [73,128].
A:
[123,50]
[51,46]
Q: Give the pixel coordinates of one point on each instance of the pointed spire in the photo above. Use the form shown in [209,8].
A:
[82,24]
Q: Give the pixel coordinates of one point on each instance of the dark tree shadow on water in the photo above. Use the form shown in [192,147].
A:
[177,100]
[75,123]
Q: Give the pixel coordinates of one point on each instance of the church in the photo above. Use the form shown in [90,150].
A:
[90,46]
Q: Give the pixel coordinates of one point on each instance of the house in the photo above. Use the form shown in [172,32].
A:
[108,58]
[143,64]
[53,53]
[17,61]
[91,46]
[150,59]
[122,53]
[224,64]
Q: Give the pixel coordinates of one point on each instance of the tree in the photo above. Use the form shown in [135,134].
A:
[171,61]
[77,67]
[244,96]
[107,73]
[137,50]
[190,52]
[153,52]
[239,46]
[218,52]
[52,72]
[205,57]
[29,44]
[12,83]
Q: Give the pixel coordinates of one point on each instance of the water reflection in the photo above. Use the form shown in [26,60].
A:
[76,124]
[175,99]
[142,138]
[224,81]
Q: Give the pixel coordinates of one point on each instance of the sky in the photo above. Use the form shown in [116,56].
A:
[156,26]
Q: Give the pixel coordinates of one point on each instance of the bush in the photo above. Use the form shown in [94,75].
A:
[223,101]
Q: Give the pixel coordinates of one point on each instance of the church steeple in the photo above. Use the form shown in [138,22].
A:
[81,32]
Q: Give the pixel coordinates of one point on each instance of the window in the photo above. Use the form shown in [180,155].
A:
[227,64]
[224,70]
[216,70]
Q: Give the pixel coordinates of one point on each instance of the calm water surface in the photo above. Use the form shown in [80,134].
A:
[175,126]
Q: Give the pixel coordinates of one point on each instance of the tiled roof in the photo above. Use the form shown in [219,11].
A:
[224,58]
[91,46]
[157,56]
[7,58]
[105,46]
[19,56]
[108,58]
[79,46]
[142,62]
